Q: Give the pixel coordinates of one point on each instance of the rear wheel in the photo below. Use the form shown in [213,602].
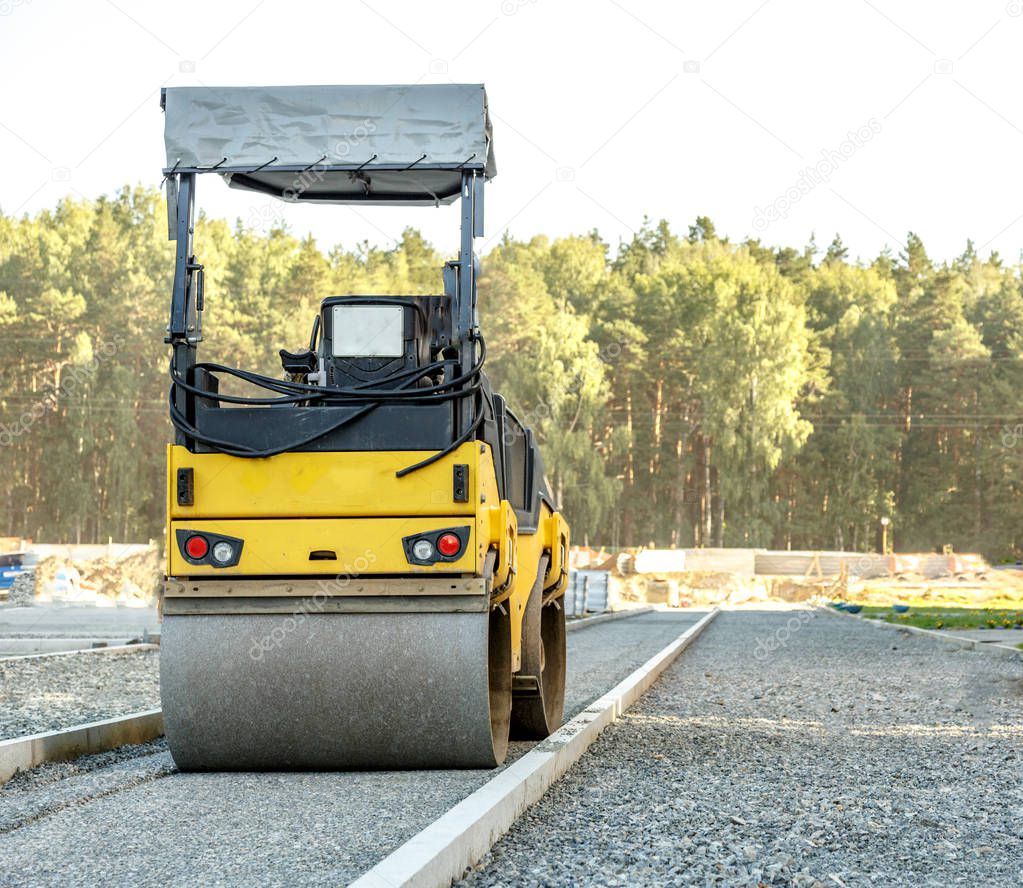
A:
[538,704]
[500,680]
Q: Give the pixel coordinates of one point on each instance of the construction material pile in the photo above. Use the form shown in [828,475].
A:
[23,590]
[133,579]
[991,589]
[700,588]
[702,577]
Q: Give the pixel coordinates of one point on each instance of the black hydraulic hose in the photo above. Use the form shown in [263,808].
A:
[440,454]
[367,392]
[315,333]
[367,397]
[303,391]
[232,448]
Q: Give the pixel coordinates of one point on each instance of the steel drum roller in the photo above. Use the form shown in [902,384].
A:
[336,691]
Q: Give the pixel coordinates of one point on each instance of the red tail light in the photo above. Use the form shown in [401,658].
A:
[448,544]
[436,546]
[196,547]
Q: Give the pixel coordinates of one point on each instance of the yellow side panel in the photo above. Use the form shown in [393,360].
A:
[556,541]
[363,546]
[321,485]
[527,556]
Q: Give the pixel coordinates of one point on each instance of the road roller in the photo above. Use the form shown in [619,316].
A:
[365,564]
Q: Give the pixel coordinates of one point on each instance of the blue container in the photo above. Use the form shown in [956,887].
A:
[11,564]
[853,608]
[900,608]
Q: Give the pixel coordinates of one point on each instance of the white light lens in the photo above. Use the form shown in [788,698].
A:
[423,550]
[368,331]
[223,552]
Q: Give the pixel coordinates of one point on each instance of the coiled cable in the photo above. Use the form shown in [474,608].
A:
[366,397]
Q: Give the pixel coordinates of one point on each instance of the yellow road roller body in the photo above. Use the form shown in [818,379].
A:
[318,644]
[365,562]
[337,524]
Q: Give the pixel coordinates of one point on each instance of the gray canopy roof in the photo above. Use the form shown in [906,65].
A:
[333,144]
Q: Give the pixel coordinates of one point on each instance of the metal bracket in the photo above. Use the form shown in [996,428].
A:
[460,482]
[525,686]
[186,487]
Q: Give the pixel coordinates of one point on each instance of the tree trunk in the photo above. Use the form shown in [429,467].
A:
[719,501]
[706,500]
[630,474]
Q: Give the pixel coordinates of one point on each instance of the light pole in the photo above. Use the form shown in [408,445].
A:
[885,521]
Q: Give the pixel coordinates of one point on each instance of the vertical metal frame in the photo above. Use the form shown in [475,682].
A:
[178,328]
[184,330]
[183,313]
[464,309]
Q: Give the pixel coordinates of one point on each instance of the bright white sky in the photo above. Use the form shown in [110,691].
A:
[604,110]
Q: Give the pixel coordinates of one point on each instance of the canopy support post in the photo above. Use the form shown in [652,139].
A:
[464,310]
[183,331]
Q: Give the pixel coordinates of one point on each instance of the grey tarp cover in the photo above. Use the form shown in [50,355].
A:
[336,144]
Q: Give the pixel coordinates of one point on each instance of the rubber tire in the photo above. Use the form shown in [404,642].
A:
[537,716]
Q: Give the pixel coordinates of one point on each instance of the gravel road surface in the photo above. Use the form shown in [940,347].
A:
[57,620]
[133,820]
[792,749]
[47,693]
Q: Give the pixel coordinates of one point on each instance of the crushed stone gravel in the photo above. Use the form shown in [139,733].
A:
[132,823]
[792,749]
[48,693]
[46,789]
